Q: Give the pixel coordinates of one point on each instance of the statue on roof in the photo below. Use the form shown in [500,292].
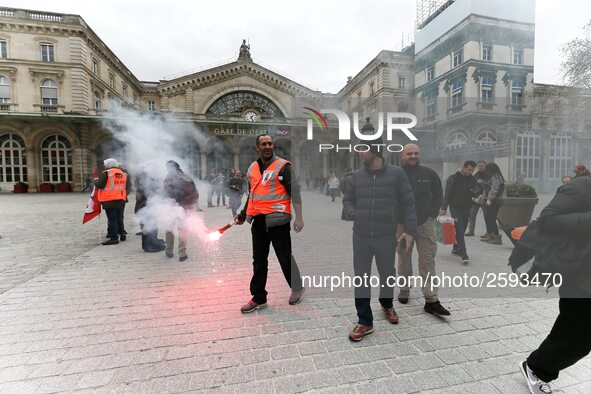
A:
[244,51]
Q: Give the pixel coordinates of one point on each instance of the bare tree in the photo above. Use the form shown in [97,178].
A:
[576,67]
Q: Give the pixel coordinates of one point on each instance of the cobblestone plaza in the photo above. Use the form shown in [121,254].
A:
[77,316]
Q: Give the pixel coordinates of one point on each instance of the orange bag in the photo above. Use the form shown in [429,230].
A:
[518,232]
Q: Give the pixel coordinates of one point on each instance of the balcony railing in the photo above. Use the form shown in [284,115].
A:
[49,108]
[43,16]
[6,12]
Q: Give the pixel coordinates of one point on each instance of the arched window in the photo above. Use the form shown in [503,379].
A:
[56,159]
[527,157]
[560,155]
[486,138]
[48,92]
[13,159]
[97,100]
[456,141]
[236,103]
[4,90]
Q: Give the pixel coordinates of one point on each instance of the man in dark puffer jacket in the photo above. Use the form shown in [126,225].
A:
[376,196]
[562,246]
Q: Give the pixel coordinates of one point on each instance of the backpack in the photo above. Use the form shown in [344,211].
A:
[187,191]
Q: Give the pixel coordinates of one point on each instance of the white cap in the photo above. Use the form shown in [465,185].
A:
[110,163]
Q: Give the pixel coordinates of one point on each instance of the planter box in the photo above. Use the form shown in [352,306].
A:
[517,211]
[46,188]
[20,188]
[63,188]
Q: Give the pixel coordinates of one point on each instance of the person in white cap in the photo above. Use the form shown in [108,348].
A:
[112,193]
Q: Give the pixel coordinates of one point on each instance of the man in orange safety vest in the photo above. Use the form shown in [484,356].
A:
[268,208]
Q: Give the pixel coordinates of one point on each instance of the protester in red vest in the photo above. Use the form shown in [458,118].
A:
[112,193]
[268,208]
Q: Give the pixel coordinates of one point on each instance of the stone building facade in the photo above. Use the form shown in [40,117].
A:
[468,77]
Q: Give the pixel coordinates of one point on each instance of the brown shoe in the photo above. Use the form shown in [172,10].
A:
[495,240]
[391,315]
[359,332]
[486,237]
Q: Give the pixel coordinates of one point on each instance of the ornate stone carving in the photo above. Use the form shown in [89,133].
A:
[244,51]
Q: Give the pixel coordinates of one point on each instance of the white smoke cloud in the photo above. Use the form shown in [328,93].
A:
[147,143]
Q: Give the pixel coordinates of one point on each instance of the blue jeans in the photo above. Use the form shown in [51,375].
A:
[365,248]
[462,218]
[333,193]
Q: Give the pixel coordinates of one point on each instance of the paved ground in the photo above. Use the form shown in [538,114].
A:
[77,316]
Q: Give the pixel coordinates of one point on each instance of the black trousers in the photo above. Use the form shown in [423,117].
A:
[462,217]
[490,217]
[474,213]
[365,247]
[568,341]
[150,241]
[262,238]
[115,222]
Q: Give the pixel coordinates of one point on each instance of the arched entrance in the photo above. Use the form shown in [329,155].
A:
[190,154]
[283,148]
[56,159]
[13,161]
[248,154]
[218,154]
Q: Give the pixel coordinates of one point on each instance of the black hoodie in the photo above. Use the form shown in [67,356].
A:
[458,193]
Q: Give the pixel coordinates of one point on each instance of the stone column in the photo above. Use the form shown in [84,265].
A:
[34,177]
[204,169]
[236,157]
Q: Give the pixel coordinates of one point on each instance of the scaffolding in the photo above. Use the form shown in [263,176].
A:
[427,10]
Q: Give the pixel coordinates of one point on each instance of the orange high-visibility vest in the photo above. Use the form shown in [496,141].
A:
[267,194]
[115,187]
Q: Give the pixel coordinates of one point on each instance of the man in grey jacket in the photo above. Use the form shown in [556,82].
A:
[378,196]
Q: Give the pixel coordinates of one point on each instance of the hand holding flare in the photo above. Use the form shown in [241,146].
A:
[217,234]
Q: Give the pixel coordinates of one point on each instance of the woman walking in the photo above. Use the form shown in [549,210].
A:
[333,186]
[494,194]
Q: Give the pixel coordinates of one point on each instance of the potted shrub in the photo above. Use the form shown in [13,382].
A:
[519,205]
[46,188]
[63,187]
[20,187]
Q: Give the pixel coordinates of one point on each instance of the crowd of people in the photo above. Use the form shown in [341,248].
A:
[393,209]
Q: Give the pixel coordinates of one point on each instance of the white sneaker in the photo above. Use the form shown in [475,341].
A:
[536,386]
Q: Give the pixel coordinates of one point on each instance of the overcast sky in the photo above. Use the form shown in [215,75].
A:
[317,43]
